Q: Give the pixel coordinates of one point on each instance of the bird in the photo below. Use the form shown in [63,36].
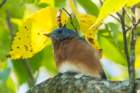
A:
[74,54]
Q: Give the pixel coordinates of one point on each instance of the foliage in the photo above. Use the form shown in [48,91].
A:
[23,24]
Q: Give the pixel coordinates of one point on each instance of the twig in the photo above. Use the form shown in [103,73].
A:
[119,15]
[119,19]
[116,18]
[134,25]
[9,24]
[130,58]
[130,18]
[2,3]
[101,2]
[122,19]
[70,19]
[128,29]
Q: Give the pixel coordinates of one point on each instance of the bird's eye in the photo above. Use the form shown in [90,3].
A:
[60,31]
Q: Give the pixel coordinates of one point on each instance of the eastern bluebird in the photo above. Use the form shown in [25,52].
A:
[74,54]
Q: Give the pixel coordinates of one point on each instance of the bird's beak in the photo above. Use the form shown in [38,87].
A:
[47,34]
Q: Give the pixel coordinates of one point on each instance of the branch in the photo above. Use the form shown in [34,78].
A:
[132,53]
[101,2]
[134,26]
[71,19]
[130,58]
[9,24]
[2,3]
[122,19]
[79,83]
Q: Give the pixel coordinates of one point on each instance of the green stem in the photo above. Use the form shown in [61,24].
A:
[29,70]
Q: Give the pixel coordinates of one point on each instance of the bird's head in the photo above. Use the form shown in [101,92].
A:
[62,34]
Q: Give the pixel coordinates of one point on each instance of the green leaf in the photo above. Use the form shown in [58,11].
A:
[25,68]
[48,59]
[36,61]
[111,51]
[42,5]
[15,7]
[116,36]
[73,23]
[21,71]
[29,1]
[60,3]
[4,41]
[89,7]
[109,7]
[10,83]
[44,58]
[114,31]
